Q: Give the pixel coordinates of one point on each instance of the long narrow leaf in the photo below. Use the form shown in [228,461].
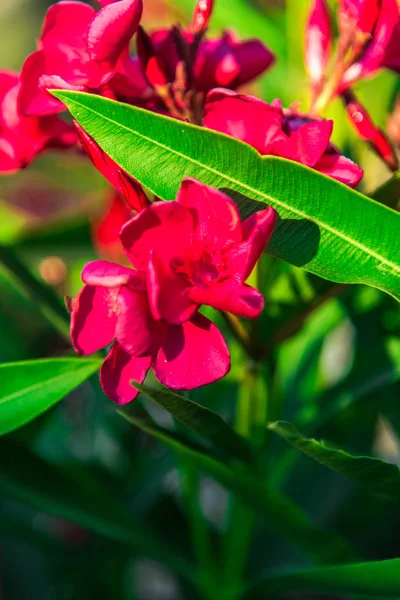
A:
[324,226]
[279,513]
[374,473]
[203,420]
[29,388]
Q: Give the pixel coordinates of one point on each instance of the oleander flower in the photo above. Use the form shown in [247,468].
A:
[186,58]
[185,253]
[79,49]
[197,251]
[274,131]
[22,138]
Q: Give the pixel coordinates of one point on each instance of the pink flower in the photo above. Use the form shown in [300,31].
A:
[318,42]
[188,252]
[366,30]
[228,62]
[197,251]
[79,49]
[271,130]
[224,61]
[22,138]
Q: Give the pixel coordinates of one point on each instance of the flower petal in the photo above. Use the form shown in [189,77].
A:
[111,275]
[117,372]
[340,168]
[257,231]
[66,24]
[112,28]
[192,355]
[137,331]
[243,117]
[216,216]
[168,293]
[230,296]
[93,319]
[163,227]
[308,143]
[33,99]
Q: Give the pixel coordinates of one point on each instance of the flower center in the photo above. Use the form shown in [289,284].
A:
[203,265]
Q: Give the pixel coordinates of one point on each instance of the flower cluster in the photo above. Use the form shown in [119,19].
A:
[369,39]
[186,253]
[196,250]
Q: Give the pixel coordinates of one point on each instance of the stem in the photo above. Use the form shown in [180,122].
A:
[239,332]
[250,422]
[47,301]
[199,530]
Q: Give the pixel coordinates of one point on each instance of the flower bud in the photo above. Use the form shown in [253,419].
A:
[318,41]
[201,15]
[367,130]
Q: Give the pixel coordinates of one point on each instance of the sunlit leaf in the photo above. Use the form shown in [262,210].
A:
[324,226]
[29,388]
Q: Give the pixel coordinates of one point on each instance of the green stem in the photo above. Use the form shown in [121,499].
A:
[199,531]
[250,422]
[47,301]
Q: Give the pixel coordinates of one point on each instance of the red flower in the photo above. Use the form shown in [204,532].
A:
[224,61]
[196,251]
[188,252]
[78,49]
[270,130]
[22,138]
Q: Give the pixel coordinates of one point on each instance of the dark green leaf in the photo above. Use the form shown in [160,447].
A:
[374,473]
[279,512]
[324,226]
[203,420]
[29,388]
[371,579]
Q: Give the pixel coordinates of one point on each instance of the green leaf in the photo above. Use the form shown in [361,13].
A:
[279,513]
[371,579]
[74,495]
[324,226]
[28,388]
[374,473]
[203,420]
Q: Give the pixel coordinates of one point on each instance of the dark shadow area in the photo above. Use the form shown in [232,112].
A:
[294,240]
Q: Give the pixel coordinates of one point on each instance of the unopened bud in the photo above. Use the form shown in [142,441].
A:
[318,41]
[201,15]
[369,132]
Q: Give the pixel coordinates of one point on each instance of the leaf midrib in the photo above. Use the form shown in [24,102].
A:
[299,213]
